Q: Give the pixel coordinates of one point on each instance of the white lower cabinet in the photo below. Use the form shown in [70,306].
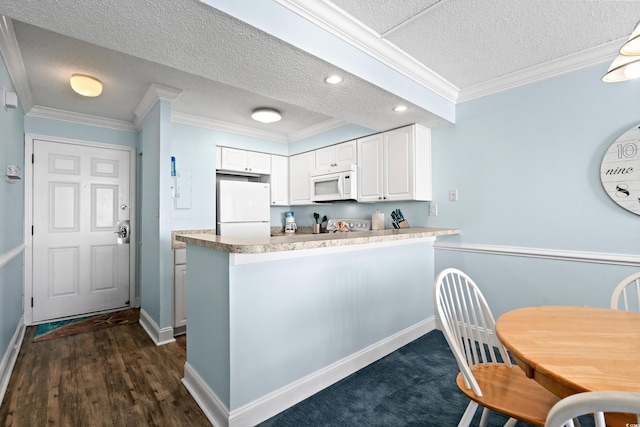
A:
[179,290]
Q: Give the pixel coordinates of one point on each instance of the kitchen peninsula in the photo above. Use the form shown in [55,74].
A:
[274,320]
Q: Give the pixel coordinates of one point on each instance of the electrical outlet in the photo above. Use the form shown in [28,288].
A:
[433,209]
[453,195]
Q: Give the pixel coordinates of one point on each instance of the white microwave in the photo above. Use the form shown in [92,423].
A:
[339,184]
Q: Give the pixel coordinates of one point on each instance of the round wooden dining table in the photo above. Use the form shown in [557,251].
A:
[571,350]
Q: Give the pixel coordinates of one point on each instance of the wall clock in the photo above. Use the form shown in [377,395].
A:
[620,170]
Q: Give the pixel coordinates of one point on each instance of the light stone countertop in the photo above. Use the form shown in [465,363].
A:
[299,241]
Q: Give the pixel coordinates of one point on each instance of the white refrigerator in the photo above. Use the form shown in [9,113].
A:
[243,209]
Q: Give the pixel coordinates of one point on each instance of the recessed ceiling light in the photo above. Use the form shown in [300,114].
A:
[334,79]
[266,115]
[85,85]
[400,108]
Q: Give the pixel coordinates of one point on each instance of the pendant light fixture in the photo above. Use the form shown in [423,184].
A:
[632,47]
[623,68]
[266,115]
[627,65]
[85,85]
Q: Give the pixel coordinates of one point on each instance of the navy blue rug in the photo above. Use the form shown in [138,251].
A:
[413,386]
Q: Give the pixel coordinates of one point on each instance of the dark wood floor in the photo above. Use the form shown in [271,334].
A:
[113,377]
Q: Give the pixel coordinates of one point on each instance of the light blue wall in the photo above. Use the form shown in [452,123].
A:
[64,129]
[340,134]
[290,318]
[150,236]
[227,139]
[526,163]
[11,218]
[195,150]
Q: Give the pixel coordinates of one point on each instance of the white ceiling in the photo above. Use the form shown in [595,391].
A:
[224,68]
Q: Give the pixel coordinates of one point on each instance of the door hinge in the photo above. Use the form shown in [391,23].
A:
[31,301]
[32,230]
[33,158]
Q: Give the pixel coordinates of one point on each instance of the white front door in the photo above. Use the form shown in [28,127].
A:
[80,202]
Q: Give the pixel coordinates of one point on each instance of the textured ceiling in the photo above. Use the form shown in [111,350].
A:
[226,68]
[469,42]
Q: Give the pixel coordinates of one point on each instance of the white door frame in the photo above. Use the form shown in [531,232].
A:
[28,215]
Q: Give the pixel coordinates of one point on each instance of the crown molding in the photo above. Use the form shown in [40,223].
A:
[345,27]
[556,67]
[219,125]
[85,119]
[312,130]
[154,94]
[13,61]
[188,119]
[342,25]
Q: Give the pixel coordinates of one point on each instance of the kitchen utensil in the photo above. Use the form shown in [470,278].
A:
[316,216]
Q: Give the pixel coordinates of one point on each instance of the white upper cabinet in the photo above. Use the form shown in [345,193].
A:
[300,168]
[395,165]
[370,152]
[335,156]
[279,181]
[218,157]
[245,161]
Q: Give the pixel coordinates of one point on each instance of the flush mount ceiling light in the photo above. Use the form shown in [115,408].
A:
[334,79]
[400,108]
[85,85]
[632,47]
[266,115]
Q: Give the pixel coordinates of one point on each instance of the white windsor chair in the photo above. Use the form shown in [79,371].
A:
[627,292]
[486,376]
[596,403]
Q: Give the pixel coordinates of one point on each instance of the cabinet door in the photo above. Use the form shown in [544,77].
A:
[398,164]
[258,163]
[279,181]
[234,160]
[334,156]
[370,151]
[300,168]
[345,154]
[179,296]
[324,158]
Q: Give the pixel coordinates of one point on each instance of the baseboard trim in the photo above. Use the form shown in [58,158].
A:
[157,335]
[293,393]
[208,401]
[10,357]
[554,254]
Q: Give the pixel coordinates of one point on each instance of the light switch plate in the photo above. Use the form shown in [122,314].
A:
[433,209]
[453,195]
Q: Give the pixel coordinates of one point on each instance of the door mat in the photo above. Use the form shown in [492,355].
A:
[64,328]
